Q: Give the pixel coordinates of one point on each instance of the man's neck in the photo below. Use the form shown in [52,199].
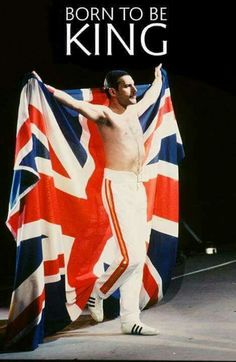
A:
[116,107]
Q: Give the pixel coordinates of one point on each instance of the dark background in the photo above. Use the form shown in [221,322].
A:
[201,68]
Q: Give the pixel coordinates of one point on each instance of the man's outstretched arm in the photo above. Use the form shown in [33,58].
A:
[93,112]
[152,93]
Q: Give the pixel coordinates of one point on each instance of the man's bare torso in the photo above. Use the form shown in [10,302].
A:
[119,124]
[123,141]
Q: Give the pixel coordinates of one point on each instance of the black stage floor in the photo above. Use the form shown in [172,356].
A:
[196,319]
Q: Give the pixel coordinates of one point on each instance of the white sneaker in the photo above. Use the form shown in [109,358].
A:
[138,329]
[95,306]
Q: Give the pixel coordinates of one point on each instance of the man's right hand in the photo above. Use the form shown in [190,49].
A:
[36,75]
[158,71]
[50,88]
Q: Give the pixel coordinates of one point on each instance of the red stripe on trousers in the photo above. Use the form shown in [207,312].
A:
[124,263]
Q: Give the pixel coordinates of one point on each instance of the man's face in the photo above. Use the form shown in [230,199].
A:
[126,92]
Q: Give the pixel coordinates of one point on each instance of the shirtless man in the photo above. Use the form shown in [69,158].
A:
[123,192]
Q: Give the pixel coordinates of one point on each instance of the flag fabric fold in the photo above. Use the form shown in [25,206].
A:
[56,215]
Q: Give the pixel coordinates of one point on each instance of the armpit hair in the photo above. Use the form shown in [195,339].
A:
[104,121]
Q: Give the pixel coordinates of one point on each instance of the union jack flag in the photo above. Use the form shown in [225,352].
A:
[63,237]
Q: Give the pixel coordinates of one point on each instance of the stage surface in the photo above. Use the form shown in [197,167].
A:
[196,319]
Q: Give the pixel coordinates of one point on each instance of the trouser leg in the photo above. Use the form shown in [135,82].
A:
[130,289]
[129,296]
[126,208]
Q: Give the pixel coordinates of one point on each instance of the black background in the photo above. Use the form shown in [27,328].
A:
[201,68]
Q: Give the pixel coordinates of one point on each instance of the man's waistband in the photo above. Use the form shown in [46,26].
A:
[124,176]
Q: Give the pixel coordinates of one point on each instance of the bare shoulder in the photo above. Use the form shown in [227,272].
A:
[107,110]
[102,108]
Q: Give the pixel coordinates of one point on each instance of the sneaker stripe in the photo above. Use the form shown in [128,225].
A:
[136,329]
[95,305]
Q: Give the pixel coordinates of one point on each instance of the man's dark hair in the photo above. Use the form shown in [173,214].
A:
[111,79]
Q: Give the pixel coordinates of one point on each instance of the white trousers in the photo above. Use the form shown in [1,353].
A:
[125,202]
